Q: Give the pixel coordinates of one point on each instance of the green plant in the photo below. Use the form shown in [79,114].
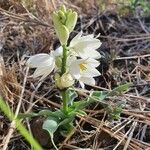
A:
[125,7]
[143,4]
[74,61]
[7,111]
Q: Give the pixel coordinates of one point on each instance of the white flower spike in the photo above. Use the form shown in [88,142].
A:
[85,46]
[84,70]
[44,64]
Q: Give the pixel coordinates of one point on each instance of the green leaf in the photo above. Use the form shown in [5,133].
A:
[27,115]
[114,112]
[120,89]
[51,126]
[80,104]
[66,129]
[59,114]
[67,120]
[81,113]
[46,113]
[97,95]
[20,127]
[76,108]
[71,95]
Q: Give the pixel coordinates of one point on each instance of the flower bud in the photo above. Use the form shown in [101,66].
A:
[66,80]
[58,62]
[63,81]
[57,81]
[63,8]
[64,23]
[62,16]
[61,30]
[71,20]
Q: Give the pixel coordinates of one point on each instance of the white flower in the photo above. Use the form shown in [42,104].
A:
[85,46]
[44,64]
[84,70]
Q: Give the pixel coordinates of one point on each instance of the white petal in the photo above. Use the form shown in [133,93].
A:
[91,73]
[39,72]
[83,48]
[48,62]
[45,74]
[51,68]
[43,71]
[87,80]
[71,59]
[90,54]
[76,39]
[74,69]
[79,61]
[92,63]
[37,60]
[58,52]
[92,44]
[89,37]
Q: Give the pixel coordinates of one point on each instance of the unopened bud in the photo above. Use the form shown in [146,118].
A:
[64,23]
[62,16]
[71,20]
[63,8]
[63,81]
[67,80]
[61,30]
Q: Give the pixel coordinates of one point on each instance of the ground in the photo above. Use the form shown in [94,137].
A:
[26,29]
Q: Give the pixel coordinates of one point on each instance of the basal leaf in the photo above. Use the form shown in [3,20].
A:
[120,89]
[97,95]
[50,125]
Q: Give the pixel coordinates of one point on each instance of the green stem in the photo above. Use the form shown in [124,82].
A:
[64,59]
[63,70]
[64,98]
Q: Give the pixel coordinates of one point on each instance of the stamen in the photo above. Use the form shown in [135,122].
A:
[82,67]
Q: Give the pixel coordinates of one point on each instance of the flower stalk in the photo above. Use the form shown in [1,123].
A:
[64,99]
[64,60]
[63,70]
[74,60]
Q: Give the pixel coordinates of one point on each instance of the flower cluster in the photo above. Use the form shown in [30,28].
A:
[64,23]
[80,60]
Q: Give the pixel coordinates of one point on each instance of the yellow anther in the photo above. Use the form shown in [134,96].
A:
[82,67]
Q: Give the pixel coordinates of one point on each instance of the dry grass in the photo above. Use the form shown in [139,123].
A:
[126,50]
